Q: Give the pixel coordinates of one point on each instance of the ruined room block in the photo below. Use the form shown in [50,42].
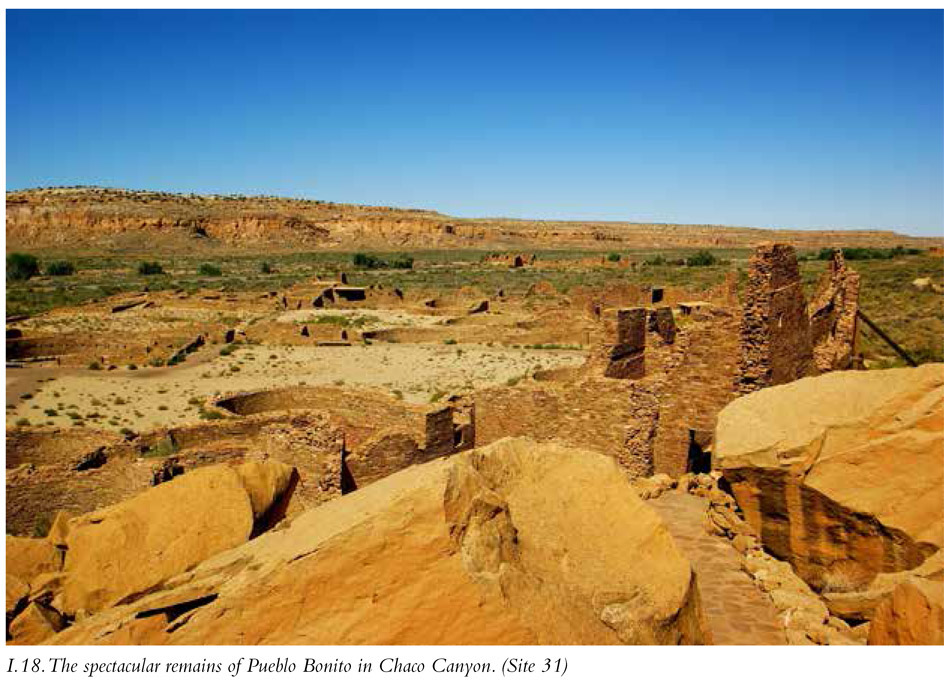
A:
[662,322]
[833,316]
[440,433]
[775,335]
[627,357]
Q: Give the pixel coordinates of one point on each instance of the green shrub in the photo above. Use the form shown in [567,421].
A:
[702,258]
[22,266]
[59,268]
[150,268]
[867,253]
[613,256]
[94,365]
[211,414]
[402,263]
[368,261]
[162,449]
[657,260]
[210,270]
[265,268]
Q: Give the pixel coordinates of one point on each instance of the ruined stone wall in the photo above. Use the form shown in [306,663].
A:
[833,316]
[627,356]
[699,383]
[439,432]
[381,455]
[662,322]
[47,478]
[591,414]
[638,457]
[774,334]
[363,412]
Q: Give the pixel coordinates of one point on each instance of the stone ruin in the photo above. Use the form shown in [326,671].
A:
[832,313]
[660,416]
[775,329]
[783,339]
[627,357]
[511,260]
[662,322]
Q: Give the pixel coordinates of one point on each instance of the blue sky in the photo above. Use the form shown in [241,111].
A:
[787,119]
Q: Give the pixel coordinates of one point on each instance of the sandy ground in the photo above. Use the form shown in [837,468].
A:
[135,320]
[370,319]
[144,399]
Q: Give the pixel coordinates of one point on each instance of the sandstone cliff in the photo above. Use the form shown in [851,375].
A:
[95,218]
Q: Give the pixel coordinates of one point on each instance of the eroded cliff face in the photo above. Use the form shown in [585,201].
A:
[841,474]
[501,545]
[100,218]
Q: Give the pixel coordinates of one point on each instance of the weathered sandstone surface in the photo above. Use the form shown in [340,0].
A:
[842,474]
[912,615]
[517,542]
[119,553]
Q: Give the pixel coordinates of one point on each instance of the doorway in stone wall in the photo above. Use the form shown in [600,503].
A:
[699,451]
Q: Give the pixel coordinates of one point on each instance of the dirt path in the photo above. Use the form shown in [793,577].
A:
[738,612]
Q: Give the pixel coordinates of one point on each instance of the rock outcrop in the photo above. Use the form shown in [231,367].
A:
[120,553]
[841,475]
[912,615]
[501,545]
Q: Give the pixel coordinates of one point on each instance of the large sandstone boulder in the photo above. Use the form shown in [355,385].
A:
[515,543]
[35,624]
[912,615]
[860,605]
[841,474]
[124,550]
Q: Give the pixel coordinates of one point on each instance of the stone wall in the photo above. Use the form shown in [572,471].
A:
[774,334]
[593,414]
[698,384]
[833,316]
[625,352]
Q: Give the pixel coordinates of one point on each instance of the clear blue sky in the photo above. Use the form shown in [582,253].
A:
[790,119]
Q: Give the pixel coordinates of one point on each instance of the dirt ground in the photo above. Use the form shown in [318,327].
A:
[147,398]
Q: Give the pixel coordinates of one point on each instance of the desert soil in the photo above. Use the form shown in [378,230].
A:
[148,398]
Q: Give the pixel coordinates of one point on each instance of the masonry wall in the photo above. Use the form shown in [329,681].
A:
[592,414]
[699,384]
[774,334]
[833,316]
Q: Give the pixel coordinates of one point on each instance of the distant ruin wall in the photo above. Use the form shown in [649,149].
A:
[440,433]
[662,322]
[626,355]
